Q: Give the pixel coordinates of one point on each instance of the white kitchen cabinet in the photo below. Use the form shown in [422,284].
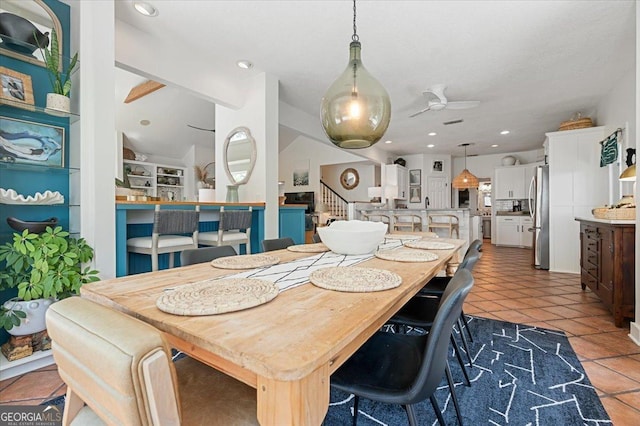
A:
[510,183]
[514,231]
[577,184]
[526,236]
[507,231]
[396,176]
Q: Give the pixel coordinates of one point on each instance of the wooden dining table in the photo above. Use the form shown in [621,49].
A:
[286,349]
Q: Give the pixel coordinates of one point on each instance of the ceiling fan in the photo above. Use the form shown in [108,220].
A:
[200,128]
[437,101]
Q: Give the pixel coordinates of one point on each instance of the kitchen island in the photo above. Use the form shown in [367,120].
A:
[135,219]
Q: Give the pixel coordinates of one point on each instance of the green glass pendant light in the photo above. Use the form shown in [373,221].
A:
[356,110]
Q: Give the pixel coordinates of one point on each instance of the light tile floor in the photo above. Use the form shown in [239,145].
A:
[509,289]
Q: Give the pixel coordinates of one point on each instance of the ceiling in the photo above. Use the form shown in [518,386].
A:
[531,64]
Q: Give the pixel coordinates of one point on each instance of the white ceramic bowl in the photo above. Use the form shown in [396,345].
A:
[353,236]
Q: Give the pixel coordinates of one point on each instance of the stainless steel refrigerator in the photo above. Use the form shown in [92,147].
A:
[539,210]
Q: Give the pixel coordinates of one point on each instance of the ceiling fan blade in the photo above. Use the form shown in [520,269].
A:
[419,112]
[200,128]
[462,104]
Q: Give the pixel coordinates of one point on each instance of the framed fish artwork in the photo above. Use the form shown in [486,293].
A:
[31,143]
[17,90]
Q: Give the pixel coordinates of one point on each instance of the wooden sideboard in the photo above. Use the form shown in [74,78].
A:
[607,264]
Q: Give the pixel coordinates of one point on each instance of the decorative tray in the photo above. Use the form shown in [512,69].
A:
[245,261]
[406,255]
[217,296]
[309,248]
[429,245]
[354,279]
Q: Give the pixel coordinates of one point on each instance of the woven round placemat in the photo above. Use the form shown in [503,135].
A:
[213,296]
[354,279]
[245,261]
[309,248]
[402,237]
[406,255]
[429,245]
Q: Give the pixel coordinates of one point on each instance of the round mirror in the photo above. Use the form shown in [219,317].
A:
[239,155]
[349,178]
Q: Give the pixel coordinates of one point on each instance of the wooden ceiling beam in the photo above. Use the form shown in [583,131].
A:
[143,89]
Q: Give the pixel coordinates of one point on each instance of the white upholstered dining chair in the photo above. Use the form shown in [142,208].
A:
[169,229]
[121,368]
[234,228]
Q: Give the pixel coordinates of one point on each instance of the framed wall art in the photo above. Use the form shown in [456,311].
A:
[415,194]
[415,177]
[437,166]
[17,89]
[31,143]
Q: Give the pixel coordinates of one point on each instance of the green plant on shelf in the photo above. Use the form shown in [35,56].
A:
[43,265]
[60,80]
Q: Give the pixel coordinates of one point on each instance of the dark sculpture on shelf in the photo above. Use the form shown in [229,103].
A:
[34,227]
[19,34]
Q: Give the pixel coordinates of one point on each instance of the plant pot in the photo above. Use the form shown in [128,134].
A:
[35,310]
[206,195]
[58,102]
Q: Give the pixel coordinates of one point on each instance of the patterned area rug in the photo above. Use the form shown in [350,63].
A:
[522,375]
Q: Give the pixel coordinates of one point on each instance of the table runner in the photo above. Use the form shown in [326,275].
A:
[296,272]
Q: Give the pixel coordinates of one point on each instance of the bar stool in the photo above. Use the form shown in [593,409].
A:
[449,221]
[376,217]
[167,222]
[412,222]
[234,228]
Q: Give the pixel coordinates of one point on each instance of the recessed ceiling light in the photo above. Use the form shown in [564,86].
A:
[430,145]
[145,122]
[145,9]
[504,132]
[432,134]
[388,141]
[495,145]
[244,64]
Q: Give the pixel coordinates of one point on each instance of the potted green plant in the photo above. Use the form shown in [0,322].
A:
[59,78]
[44,268]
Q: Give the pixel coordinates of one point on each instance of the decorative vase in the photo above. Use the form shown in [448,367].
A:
[206,195]
[232,194]
[35,310]
[58,102]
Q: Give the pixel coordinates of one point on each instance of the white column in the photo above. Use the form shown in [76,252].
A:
[260,114]
[93,136]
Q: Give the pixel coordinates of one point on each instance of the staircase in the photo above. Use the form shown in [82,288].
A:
[337,205]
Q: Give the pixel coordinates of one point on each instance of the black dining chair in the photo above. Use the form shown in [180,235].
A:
[420,312]
[436,286]
[406,369]
[205,254]
[277,244]
[316,238]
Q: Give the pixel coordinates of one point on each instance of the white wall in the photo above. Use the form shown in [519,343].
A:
[94,145]
[635,325]
[330,174]
[305,150]
[617,110]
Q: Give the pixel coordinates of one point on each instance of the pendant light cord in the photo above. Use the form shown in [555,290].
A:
[354,37]
[465,157]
